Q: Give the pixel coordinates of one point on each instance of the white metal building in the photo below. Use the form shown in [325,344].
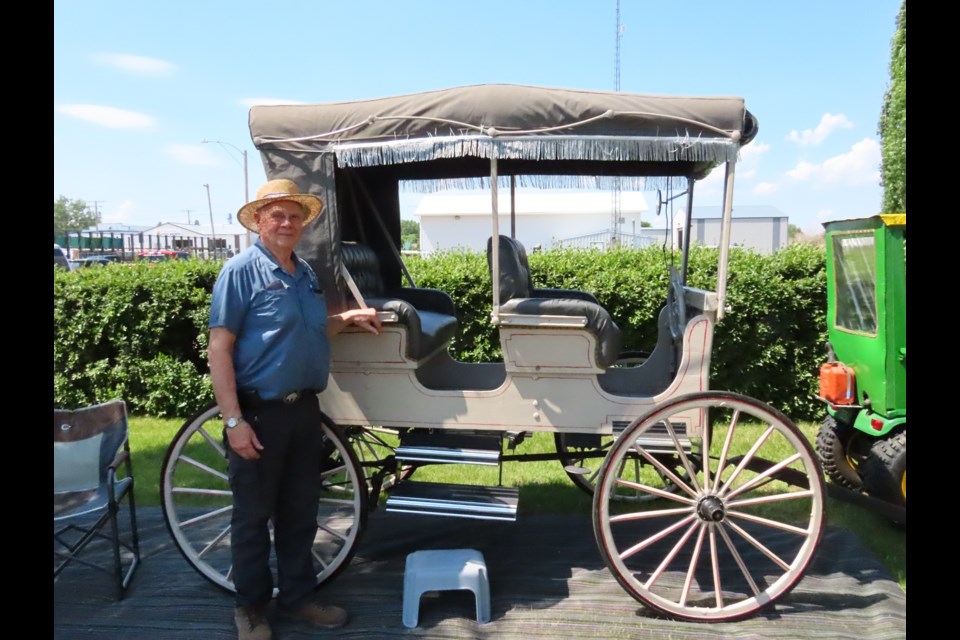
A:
[462,220]
[760,227]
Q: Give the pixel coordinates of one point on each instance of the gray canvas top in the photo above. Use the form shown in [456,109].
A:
[511,122]
[356,156]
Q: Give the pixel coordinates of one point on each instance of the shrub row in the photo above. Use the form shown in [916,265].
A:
[140,331]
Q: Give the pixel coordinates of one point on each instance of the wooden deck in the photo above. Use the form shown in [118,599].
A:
[547,581]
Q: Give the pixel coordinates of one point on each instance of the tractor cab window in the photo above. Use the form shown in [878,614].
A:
[855,256]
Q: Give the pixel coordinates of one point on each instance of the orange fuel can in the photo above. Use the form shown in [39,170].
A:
[837,383]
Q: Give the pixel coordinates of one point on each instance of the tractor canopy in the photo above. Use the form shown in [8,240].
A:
[866,306]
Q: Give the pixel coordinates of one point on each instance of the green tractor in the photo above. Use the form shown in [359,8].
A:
[862,443]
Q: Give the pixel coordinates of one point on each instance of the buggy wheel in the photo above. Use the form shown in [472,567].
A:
[743,526]
[842,450]
[376,450]
[885,471]
[198,503]
[582,456]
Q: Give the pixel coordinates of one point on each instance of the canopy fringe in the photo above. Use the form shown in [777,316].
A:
[603,183]
[602,148]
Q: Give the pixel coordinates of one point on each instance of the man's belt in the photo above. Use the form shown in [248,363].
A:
[253,399]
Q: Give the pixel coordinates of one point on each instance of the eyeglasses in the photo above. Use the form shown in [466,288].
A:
[278,218]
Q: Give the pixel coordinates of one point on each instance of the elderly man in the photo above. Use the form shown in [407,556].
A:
[269,358]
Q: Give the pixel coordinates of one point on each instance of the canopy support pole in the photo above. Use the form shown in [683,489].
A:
[725,238]
[495,243]
[686,231]
[513,207]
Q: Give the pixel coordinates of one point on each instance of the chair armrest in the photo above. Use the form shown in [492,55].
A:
[123,455]
[427,299]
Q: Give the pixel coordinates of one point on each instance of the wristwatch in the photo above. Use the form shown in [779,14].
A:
[230,423]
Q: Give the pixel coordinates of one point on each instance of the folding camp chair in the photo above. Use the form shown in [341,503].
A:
[92,475]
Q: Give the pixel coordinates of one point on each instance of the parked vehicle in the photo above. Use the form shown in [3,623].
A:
[90,261]
[707,505]
[60,258]
[105,257]
[162,255]
[862,443]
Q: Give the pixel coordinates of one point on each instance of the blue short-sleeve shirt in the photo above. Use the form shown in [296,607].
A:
[279,320]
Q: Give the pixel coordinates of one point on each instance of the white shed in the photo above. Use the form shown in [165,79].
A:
[462,220]
[760,227]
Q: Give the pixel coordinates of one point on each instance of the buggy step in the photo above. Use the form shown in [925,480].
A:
[450,448]
[455,500]
[657,439]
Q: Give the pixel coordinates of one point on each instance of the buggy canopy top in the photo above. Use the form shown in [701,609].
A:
[356,156]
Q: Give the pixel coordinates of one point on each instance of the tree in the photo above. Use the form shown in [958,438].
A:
[72,215]
[893,123]
[793,232]
[409,234]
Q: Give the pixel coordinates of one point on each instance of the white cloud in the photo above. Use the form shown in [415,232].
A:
[108,116]
[753,151]
[253,102]
[135,64]
[764,188]
[813,137]
[860,165]
[825,214]
[192,154]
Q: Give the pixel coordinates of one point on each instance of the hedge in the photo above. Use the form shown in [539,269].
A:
[139,331]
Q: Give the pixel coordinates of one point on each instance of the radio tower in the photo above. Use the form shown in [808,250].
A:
[615,204]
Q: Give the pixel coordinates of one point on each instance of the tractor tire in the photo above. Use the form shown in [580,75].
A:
[885,470]
[841,449]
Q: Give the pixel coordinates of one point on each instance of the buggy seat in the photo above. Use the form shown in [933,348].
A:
[517,295]
[429,315]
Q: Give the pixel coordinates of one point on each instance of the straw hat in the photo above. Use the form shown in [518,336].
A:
[274,190]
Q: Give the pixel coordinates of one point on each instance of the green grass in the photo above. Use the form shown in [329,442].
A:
[544,487]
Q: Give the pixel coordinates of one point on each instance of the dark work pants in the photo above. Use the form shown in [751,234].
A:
[284,484]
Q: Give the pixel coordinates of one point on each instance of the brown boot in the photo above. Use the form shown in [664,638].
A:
[252,624]
[323,616]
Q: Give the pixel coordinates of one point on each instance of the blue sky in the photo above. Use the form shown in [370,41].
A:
[139,85]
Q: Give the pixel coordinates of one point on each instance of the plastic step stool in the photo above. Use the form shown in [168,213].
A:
[444,570]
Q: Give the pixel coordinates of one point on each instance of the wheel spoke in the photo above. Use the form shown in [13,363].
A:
[691,569]
[731,428]
[762,477]
[199,465]
[739,560]
[653,490]
[759,546]
[665,470]
[695,526]
[643,544]
[745,460]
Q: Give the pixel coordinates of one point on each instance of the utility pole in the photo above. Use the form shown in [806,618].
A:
[96,212]
[213,236]
[615,204]
[188,214]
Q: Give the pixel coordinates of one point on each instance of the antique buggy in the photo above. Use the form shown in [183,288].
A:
[707,505]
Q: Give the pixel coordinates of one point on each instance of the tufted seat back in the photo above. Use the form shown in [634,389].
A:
[517,295]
